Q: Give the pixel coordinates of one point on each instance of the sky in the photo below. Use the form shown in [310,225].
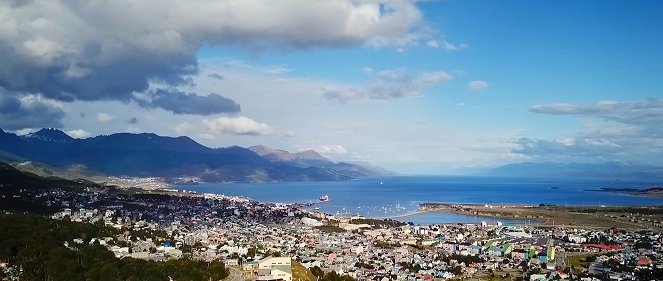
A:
[425,87]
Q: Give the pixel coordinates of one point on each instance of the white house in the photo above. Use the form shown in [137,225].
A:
[275,268]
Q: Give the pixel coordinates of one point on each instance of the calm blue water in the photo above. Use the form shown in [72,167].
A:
[393,196]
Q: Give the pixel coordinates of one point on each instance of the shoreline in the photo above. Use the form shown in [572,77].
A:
[582,216]
[586,216]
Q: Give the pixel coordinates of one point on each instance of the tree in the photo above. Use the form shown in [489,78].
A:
[458,270]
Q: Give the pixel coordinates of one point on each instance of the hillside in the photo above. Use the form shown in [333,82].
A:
[146,154]
[12,178]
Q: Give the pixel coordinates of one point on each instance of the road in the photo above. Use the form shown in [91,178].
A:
[235,275]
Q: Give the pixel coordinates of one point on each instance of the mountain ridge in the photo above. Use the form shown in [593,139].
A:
[148,154]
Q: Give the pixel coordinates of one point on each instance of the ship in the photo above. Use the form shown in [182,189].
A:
[324,198]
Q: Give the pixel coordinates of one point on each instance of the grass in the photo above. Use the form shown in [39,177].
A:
[578,262]
[300,273]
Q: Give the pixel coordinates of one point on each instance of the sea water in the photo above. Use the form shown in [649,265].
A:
[398,196]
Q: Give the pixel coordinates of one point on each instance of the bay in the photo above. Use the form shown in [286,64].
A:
[397,196]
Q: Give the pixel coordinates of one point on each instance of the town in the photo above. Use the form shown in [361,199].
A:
[260,241]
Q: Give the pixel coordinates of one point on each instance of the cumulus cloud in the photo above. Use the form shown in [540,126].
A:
[105,117]
[182,103]
[78,134]
[28,111]
[236,126]
[110,50]
[477,85]
[389,84]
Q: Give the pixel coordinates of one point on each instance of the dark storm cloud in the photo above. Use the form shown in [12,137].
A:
[70,50]
[31,112]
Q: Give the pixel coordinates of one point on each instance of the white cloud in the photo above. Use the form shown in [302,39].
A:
[343,95]
[477,85]
[640,112]
[134,130]
[279,69]
[367,70]
[434,77]
[613,131]
[105,117]
[26,131]
[78,134]
[236,126]
[28,111]
[445,45]
[289,133]
[331,149]
[389,84]
[183,128]
[206,136]
[69,50]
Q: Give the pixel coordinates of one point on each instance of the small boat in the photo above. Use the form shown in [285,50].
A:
[325,198]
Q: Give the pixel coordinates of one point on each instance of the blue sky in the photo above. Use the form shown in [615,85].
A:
[563,81]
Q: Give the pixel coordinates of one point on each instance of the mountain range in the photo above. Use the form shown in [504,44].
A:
[146,154]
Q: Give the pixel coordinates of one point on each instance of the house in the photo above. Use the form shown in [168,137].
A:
[543,257]
[644,261]
[250,268]
[495,251]
[519,254]
[275,268]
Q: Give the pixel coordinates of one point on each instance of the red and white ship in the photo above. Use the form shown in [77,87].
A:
[325,198]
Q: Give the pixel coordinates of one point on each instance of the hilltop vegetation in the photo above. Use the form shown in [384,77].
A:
[12,178]
[37,246]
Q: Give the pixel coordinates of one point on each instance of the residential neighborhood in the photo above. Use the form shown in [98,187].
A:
[262,241]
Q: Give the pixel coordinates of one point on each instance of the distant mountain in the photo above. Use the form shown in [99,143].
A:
[312,159]
[152,155]
[362,168]
[49,135]
[611,170]
[308,158]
